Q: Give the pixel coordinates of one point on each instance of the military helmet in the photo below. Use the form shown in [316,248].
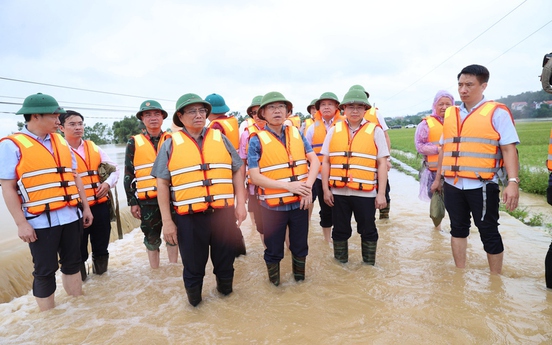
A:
[355,96]
[218,104]
[256,101]
[272,97]
[187,99]
[312,104]
[150,105]
[361,88]
[326,95]
[40,104]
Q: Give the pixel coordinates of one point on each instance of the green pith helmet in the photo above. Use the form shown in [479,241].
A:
[150,105]
[326,95]
[256,101]
[218,105]
[272,97]
[312,104]
[355,96]
[361,88]
[187,99]
[40,104]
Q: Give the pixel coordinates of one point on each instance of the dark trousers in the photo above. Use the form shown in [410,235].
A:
[63,240]
[325,210]
[461,204]
[254,206]
[99,232]
[364,210]
[199,232]
[275,224]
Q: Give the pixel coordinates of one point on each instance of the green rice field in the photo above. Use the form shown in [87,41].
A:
[533,152]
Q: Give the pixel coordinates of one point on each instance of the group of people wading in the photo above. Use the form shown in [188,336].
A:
[190,187]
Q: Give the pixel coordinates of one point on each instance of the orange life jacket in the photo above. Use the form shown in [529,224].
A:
[88,171]
[295,120]
[308,122]
[320,132]
[371,116]
[471,148]
[549,161]
[204,178]
[230,129]
[353,161]
[283,163]
[45,180]
[434,135]
[144,157]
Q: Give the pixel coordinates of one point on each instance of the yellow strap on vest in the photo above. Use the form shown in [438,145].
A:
[23,140]
[338,127]
[430,122]
[177,138]
[265,137]
[487,108]
[370,128]
[138,139]
[217,135]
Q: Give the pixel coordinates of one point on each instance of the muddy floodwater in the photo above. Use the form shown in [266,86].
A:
[414,294]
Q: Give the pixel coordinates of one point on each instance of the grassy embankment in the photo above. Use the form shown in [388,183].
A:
[533,152]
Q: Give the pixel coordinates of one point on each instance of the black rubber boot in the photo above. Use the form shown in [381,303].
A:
[100,264]
[298,267]
[548,267]
[194,295]
[369,252]
[341,251]
[83,273]
[240,244]
[274,273]
[224,286]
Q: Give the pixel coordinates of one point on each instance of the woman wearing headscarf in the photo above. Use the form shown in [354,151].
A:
[427,137]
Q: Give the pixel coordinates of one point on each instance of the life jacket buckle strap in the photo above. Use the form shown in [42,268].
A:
[456,140]
[455,154]
[208,182]
[205,166]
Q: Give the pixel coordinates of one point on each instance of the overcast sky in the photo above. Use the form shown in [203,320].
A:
[402,52]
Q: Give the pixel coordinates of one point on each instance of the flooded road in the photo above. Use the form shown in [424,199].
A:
[414,294]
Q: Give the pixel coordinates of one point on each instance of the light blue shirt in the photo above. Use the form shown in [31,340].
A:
[10,156]
[504,125]
[254,155]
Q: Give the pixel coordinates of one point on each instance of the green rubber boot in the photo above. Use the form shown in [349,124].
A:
[341,251]
[298,266]
[274,273]
[384,212]
[369,252]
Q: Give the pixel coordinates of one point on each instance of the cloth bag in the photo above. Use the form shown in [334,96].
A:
[437,208]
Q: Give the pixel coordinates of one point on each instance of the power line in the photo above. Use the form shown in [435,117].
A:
[458,51]
[70,102]
[81,89]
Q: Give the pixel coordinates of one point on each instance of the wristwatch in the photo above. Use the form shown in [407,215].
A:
[514,179]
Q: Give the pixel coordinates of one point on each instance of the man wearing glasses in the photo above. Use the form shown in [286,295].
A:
[199,175]
[141,186]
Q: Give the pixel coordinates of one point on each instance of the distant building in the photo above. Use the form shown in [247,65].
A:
[518,105]
[538,104]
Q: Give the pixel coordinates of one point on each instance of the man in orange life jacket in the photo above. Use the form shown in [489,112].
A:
[373,115]
[354,173]
[41,190]
[199,174]
[278,161]
[326,116]
[309,119]
[89,157]
[479,139]
[140,186]
[228,125]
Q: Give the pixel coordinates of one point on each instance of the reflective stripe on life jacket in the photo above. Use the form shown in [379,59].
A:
[88,171]
[230,129]
[204,178]
[435,131]
[282,163]
[144,157]
[353,161]
[549,161]
[471,148]
[45,180]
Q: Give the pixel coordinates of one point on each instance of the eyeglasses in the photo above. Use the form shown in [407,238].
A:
[200,111]
[355,107]
[273,107]
[254,112]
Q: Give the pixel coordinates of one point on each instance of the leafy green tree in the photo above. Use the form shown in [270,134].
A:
[124,129]
[99,133]
[20,125]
